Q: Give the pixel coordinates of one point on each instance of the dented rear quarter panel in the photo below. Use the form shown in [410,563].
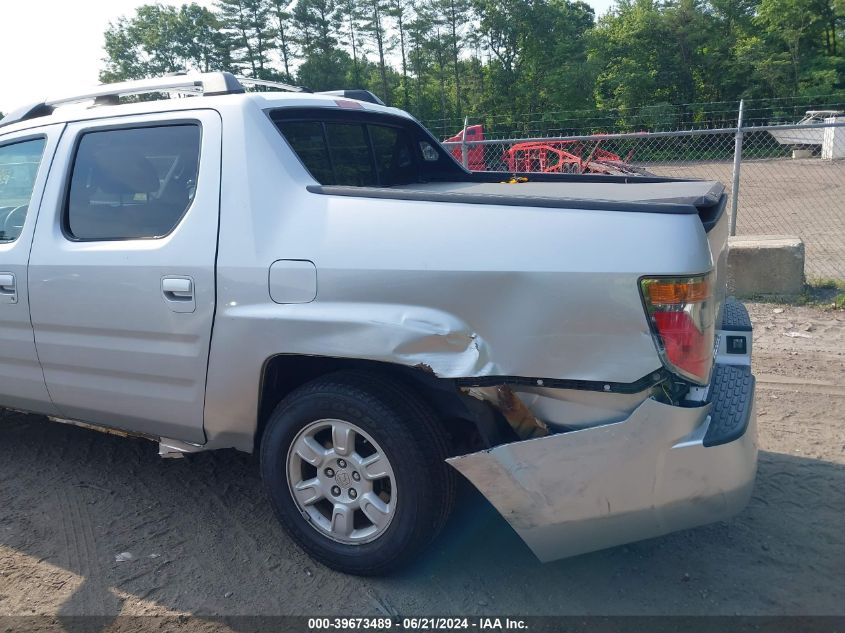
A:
[467,289]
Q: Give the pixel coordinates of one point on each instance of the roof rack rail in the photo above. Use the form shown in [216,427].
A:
[208,84]
[250,82]
[356,93]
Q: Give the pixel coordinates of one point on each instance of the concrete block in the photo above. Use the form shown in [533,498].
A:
[765,265]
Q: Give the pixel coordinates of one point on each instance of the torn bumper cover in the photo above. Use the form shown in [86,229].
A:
[662,469]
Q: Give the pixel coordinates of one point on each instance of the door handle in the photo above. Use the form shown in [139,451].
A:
[179,293]
[177,288]
[8,288]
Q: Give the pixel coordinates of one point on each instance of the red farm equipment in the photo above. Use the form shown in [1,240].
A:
[570,157]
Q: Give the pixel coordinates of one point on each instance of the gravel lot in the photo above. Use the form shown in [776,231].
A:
[785,197]
[202,539]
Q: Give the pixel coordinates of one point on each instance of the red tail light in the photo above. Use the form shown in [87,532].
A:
[681,315]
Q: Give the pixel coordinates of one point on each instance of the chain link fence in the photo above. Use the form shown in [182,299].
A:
[650,118]
[788,179]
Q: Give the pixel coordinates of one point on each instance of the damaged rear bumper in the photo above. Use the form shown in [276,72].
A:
[662,469]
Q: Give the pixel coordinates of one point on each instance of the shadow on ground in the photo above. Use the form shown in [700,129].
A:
[202,540]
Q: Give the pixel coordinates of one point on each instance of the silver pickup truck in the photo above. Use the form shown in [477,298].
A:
[313,278]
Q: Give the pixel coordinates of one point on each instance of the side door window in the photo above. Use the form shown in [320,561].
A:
[131,184]
[18,168]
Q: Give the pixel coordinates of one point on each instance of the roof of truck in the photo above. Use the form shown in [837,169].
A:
[101,102]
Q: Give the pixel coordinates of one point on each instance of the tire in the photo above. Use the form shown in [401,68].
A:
[409,499]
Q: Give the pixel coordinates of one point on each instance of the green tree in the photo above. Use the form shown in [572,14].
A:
[283,19]
[539,53]
[375,28]
[454,15]
[791,26]
[162,39]
[419,61]
[203,44]
[318,23]
[250,29]
[644,57]
[353,12]
[401,11]
[532,63]
[724,75]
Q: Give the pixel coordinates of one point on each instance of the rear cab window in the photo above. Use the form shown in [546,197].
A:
[363,149]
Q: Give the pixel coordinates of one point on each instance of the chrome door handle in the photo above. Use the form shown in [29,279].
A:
[8,288]
[178,293]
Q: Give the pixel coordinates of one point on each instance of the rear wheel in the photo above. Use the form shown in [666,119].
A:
[354,466]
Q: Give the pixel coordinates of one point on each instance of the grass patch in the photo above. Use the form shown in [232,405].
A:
[826,284]
[819,293]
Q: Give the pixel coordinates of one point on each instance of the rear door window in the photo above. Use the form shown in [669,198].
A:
[132,183]
[18,168]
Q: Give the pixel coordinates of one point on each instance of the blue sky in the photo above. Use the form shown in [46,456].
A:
[54,47]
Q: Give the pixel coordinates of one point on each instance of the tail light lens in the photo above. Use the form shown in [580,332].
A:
[681,312]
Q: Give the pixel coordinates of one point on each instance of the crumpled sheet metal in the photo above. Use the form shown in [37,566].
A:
[585,490]
[410,335]
[524,423]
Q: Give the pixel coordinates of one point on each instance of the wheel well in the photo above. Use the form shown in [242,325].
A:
[469,423]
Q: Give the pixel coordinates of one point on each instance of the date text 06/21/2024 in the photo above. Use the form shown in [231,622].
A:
[417,624]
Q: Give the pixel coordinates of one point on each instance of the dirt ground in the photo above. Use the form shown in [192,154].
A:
[200,537]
